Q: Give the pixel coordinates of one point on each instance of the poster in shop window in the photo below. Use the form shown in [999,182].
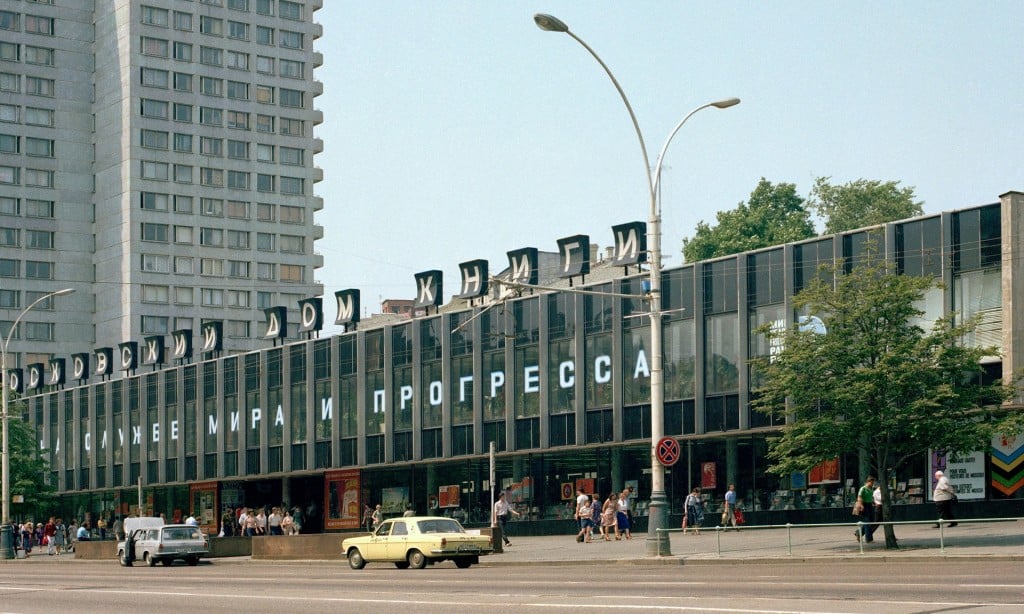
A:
[708,475]
[825,472]
[341,494]
[449,496]
[966,473]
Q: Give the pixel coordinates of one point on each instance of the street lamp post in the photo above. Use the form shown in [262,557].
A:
[6,536]
[658,508]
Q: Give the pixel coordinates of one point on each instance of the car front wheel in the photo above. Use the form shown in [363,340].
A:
[122,558]
[149,559]
[355,559]
[463,563]
[416,559]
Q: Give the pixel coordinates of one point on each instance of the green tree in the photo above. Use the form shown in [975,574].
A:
[861,203]
[29,471]
[876,383]
[774,214]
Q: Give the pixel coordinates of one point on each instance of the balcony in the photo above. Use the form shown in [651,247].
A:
[318,203]
[318,174]
[318,146]
[315,5]
[318,232]
[318,30]
[318,117]
[318,260]
[317,88]
[318,59]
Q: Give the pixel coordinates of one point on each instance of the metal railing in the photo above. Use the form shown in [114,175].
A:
[664,543]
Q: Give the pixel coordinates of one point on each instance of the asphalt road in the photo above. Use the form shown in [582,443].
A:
[246,586]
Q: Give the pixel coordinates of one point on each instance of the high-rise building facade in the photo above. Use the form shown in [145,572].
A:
[157,157]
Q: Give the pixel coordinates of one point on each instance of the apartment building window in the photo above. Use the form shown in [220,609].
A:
[292,127]
[291,273]
[265,123]
[238,5]
[183,173]
[237,298]
[9,175]
[10,82]
[10,20]
[209,146]
[264,94]
[41,148]
[154,170]
[9,237]
[152,77]
[182,204]
[293,244]
[211,56]
[35,24]
[211,267]
[293,185]
[43,56]
[10,206]
[154,325]
[265,271]
[10,144]
[10,113]
[264,65]
[38,117]
[237,329]
[184,265]
[182,82]
[213,237]
[238,180]
[238,90]
[265,7]
[238,30]
[154,16]
[155,263]
[155,46]
[292,69]
[154,108]
[238,120]
[183,52]
[291,98]
[237,60]
[10,299]
[211,86]
[292,156]
[182,21]
[237,209]
[211,25]
[35,269]
[39,239]
[183,296]
[213,2]
[152,201]
[238,268]
[266,241]
[211,207]
[211,177]
[182,112]
[264,153]
[38,86]
[10,52]
[264,183]
[238,150]
[213,297]
[39,178]
[154,232]
[238,239]
[183,235]
[290,40]
[155,294]
[182,142]
[9,268]
[264,35]
[154,139]
[292,215]
[39,331]
[264,300]
[265,212]
[289,10]
[38,208]
[211,116]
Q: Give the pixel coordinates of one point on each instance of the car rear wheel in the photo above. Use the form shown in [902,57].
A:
[463,563]
[149,559]
[355,559]
[402,564]
[416,559]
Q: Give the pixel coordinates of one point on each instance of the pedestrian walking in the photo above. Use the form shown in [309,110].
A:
[944,497]
[866,498]
[501,512]
[729,511]
[694,515]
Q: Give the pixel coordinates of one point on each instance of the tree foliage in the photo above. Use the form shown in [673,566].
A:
[774,214]
[29,471]
[861,203]
[876,383]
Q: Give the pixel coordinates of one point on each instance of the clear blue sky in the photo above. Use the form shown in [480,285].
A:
[458,130]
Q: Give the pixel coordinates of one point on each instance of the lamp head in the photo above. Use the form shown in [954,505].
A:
[549,23]
[64,292]
[725,104]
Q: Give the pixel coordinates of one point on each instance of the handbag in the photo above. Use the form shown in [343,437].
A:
[858,508]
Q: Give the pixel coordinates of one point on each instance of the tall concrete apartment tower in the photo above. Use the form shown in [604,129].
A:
[157,157]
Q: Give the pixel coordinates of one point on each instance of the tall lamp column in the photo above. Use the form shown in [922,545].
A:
[658,506]
[6,533]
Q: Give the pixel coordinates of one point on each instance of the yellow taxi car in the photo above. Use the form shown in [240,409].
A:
[417,541]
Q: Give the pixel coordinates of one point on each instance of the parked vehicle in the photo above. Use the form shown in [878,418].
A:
[417,541]
[151,542]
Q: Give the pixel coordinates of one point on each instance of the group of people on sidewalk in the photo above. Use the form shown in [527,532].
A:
[868,505]
[57,537]
[693,514]
[613,516]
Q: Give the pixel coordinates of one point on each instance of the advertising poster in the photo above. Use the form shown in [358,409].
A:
[341,499]
[825,472]
[586,485]
[203,496]
[966,472]
[520,491]
[393,501]
[449,496]
[708,475]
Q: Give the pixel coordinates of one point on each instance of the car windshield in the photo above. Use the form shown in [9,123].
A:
[439,525]
[180,533]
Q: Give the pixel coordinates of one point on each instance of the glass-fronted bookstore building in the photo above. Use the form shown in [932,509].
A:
[404,411]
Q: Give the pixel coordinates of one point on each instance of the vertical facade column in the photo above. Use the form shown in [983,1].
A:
[732,461]
[1012,225]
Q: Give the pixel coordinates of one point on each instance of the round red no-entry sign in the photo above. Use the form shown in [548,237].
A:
[667,451]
